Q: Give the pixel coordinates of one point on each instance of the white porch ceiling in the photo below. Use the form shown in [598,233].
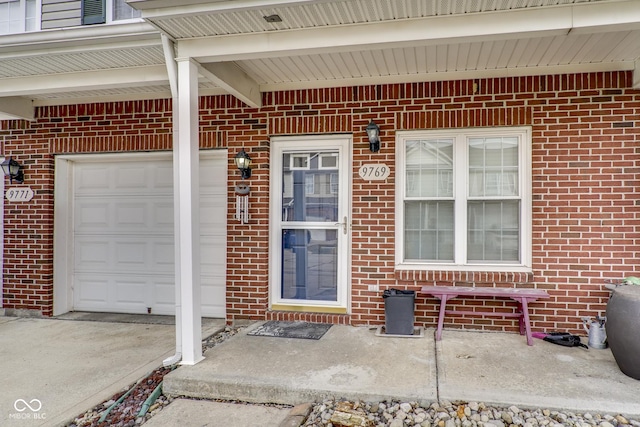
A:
[320,43]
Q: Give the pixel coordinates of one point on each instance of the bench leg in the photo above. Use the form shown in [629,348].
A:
[527,325]
[443,304]
[521,319]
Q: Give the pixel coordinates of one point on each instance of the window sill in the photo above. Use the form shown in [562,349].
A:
[309,309]
[463,274]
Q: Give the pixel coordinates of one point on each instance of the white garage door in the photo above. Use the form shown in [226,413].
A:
[123,237]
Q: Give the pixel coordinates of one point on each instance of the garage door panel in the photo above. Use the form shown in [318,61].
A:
[91,292]
[131,292]
[92,216]
[131,256]
[132,177]
[164,295]
[92,254]
[215,170]
[91,178]
[213,256]
[163,215]
[212,217]
[133,214]
[124,178]
[124,236]
[163,177]
[143,217]
[213,297]
[163,256]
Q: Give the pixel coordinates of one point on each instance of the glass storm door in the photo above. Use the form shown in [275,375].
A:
[310,218]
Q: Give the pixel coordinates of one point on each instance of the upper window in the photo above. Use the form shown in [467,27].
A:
[122,11]
[106,11]
[464,199]
[18,16]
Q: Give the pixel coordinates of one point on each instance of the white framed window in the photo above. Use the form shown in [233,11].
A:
[463,199]
[19,16]
[119,10]
[107,12]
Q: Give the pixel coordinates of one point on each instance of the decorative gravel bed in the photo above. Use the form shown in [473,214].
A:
[124,408]
[446,414]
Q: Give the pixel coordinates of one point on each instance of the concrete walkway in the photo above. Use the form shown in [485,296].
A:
[53,370]
[354,363]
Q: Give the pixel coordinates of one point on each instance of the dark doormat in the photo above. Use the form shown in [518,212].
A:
[304,330]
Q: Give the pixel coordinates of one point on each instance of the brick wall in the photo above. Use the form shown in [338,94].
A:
[584,162]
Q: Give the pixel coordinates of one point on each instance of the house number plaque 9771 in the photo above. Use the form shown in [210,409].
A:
[19,194]
[374,172]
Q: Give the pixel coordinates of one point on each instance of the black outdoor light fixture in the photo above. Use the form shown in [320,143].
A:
[373,131]
[243,162]
[13,170]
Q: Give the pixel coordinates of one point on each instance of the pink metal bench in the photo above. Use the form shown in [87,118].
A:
[522,296]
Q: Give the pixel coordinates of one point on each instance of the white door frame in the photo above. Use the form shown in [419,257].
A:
[279,145]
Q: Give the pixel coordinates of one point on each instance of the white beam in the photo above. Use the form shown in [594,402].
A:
[79,36]
[99,46]
[87,80]
[187,203]
[89,97]
[14,107]
[233,79]
[606,16]
[636,75]
[169,51]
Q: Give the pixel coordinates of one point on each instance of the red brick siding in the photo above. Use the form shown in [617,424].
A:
[585,171]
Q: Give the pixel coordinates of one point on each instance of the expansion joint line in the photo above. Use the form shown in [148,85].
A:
[436,358]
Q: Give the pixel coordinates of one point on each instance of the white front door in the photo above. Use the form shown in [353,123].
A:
[310,217]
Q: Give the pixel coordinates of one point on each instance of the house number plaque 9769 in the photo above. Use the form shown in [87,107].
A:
[374,172]
[19,194]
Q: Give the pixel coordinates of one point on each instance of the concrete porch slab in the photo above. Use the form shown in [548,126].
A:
[502,369]
[62,368]
[198,413]
[347,362]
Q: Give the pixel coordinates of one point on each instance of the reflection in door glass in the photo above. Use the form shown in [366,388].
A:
[309,187]
[309,264]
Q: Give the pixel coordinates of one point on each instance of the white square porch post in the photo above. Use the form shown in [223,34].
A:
[187,205]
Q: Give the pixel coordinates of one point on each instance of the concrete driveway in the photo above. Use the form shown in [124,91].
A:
[53,370]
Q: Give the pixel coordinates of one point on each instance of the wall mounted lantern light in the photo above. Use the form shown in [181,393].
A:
[243,162]
[13,170]
[373,131]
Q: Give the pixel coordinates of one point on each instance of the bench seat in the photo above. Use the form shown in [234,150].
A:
[522,296]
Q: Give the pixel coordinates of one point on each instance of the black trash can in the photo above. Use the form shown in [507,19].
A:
[399,311]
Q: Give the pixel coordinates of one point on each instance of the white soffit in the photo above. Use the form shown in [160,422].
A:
[209,19]
[585,51]
[84,60]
